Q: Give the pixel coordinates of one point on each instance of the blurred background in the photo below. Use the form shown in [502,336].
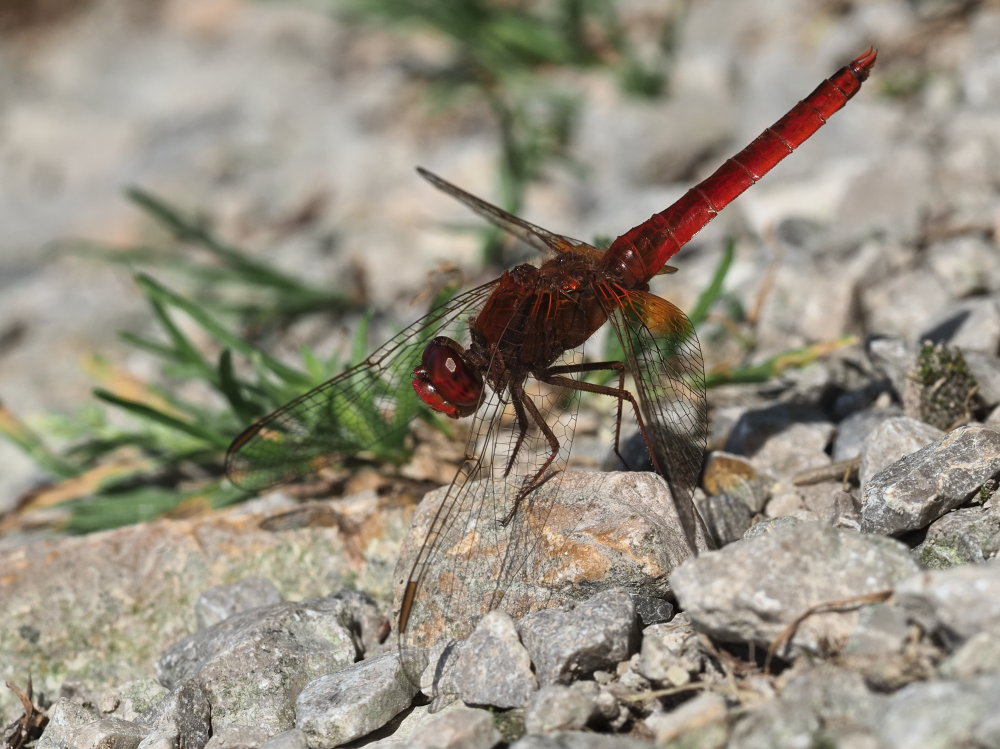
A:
[187,170]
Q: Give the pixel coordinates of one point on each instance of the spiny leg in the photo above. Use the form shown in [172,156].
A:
[523,403]
[552,376]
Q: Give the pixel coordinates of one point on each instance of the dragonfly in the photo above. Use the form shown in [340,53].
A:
[506,358]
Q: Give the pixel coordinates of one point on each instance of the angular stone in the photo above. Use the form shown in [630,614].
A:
[557,707]
[952,713]
[979,655]
[853,432]
[159,740]
[578,532]
[923,486]
[699,722]
[222,601]
[578,740]
[735,476]
[351,703]
[458,727]
[108,733]
[66,719]
[972,324]
[956,603]
[823,702]
[726,516]
[985,368]
[891,439]
[359,614]
[254,663]
[239,737]
[652,610]
[668,646]
[597,634]
[290,739]
[493,667]
[783,439]
[893,357]
[185,712]
[752,589]
[130,589]
[968,535]
[135,697]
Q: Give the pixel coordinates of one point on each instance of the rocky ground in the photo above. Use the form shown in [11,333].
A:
[853,597]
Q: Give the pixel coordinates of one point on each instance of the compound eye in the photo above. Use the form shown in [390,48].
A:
[446,381]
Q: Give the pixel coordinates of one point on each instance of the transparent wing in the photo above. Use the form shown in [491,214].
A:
[527,232]
[365,408]
[663,356]
[477,553]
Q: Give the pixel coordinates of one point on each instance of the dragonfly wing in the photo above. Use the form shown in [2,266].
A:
[663,356]
[366,408]
[536,236]
[476,551]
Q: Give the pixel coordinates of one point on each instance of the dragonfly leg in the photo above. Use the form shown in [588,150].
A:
[556,376]
[524,407]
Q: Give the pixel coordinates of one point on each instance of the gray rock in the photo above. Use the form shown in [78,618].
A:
[769,525]
[135,697]
[923,486]
[667,648]
[752,589]
[893,357]
[782,439]
[222,601]
[597,634]
[825,502]
[852,432]
[968,535]
[239,737]
[600,530]
[819,706]
[253,664]
[735,476]
[726,516]
[700,723]
[881,628]
[66,719]
[159,740]
[956,603]
[131,589]
[108,733]
[457,727]
[557,707]
[652,610]
[351,703]
[358,614]
[185,713]
[293,738]
[893,438]
[493,667]
[979,655]
[578,740]
[800,446]
[985,368]
[943,714]
[970,324]
[964,265]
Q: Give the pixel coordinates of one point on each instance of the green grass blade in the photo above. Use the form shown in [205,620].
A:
[147,412]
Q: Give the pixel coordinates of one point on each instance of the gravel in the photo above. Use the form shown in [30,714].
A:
[852,596]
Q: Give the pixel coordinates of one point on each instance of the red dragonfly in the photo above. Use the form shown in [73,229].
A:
[503,348]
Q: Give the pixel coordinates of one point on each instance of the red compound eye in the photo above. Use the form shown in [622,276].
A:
[446,381]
